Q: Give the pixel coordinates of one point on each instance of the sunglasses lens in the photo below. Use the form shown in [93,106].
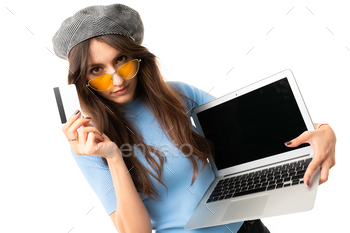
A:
[129,69]
[101,83]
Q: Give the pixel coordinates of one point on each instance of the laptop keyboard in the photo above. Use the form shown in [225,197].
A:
[281,176]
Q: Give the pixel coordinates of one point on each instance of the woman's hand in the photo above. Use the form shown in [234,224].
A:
[323,142]
[85,139]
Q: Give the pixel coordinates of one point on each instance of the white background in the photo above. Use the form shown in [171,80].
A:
[214,45]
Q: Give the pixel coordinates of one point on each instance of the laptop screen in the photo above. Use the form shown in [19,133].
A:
[254,125]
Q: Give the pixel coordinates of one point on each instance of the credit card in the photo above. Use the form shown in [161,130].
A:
[67,101]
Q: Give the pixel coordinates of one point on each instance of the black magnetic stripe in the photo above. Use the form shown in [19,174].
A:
[60,105]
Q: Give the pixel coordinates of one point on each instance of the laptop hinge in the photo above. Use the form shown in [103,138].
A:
[282,161]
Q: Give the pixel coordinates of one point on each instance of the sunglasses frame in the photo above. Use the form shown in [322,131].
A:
[139,60]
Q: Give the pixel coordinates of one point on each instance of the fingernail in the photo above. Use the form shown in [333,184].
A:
[288,143]
[76,112]
[89,118]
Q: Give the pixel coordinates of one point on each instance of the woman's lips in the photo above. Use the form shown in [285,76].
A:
[122,91]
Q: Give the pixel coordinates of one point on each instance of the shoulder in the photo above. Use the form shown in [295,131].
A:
[195,94]
[186,89]
[181,86]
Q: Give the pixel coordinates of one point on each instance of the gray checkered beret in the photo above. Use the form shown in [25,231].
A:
[96,21]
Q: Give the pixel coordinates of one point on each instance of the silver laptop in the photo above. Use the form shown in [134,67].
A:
[257,176]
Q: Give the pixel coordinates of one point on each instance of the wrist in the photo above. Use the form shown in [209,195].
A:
[111,161]
[115,158]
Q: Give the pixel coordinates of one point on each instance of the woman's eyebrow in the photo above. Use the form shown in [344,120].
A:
[100,64]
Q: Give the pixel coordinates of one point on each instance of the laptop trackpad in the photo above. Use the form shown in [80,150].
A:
[251,207]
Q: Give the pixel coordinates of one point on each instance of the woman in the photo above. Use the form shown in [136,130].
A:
[132,115]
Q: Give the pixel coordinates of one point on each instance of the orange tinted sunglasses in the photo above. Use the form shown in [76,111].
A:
[126,71]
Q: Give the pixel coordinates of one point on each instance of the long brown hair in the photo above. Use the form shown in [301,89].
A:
[167,104]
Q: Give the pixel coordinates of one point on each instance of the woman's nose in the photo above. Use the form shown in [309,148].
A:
[117,80]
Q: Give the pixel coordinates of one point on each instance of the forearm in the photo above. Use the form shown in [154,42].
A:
[131,214]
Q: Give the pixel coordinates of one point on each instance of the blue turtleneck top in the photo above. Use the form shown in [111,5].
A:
[175,208]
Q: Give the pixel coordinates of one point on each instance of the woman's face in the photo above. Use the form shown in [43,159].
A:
[104,59]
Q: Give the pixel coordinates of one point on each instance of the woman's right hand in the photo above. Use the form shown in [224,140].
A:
[88,139]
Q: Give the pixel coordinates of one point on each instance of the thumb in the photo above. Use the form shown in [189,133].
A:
[303,138]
